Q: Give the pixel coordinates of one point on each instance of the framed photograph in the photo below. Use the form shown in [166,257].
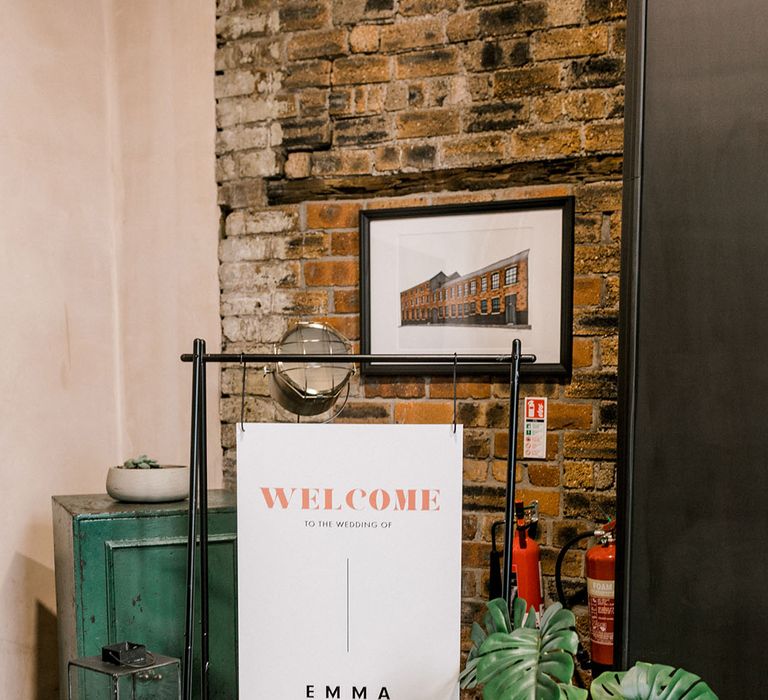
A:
[468,279]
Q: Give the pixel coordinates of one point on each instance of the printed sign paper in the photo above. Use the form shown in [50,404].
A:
[349,561]
[535,428]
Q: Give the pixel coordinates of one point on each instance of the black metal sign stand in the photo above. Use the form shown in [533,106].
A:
[198,474]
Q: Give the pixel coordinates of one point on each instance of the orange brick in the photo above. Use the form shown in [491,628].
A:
[533,143]
[477,443]
[609,352]
[364,38]
[467,150]
[549,501]
[597,259]
[360,69]
[365,412]
[461,27]
[326,163]
[578,475]
[486,529]
[583,352]
[317,44]
[587,290]
[535,192]
[422,64]
[572,566]
[336,215]
[474,555]
[397,202]
[386,158]
[424,412]
[569,43]
[580,445]
[550,108]
[346,301]
[535,80]
[327,273]
[499,471]
[411,34]
[442,388]
[581,105]
[464,198]
[426,7]
[588,228]
[544,475]
[469,584]
[468,526]
[434,122]
[348,326]
[345,243]
[599,196]
[615,225]
[395,388]
[569,415]
[308,74]
[604,137]
[475,470]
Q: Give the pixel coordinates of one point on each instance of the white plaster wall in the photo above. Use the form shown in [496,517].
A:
[108,270]
[168,281]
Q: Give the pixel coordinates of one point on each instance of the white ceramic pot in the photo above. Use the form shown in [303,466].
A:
[168,483]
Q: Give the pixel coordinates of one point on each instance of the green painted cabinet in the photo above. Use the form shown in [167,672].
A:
[120,575]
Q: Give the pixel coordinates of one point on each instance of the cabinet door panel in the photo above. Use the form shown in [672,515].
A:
[134,588]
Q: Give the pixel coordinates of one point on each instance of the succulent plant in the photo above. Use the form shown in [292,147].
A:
[140,462]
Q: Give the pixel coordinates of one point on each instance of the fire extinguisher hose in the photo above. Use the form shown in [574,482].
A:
[559,563]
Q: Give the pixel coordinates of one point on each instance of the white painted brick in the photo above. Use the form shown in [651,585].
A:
[257,221]
[245,248]
[231,111]
[240,139]
[259,163]
[254,275]
[254,328]
[234,83]
[245,303]
[235,26]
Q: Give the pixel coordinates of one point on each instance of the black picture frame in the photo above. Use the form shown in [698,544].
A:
[546,225]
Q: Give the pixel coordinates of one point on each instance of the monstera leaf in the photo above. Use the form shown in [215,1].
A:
[607,686]
[651,682]
[516,661]
[529,663]
[496,620]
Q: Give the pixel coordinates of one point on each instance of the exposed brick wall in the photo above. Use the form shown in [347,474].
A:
[325,107]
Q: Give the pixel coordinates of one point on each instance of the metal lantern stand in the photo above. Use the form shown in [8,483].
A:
[198,473]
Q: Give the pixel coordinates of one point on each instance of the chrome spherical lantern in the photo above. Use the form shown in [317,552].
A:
[310,388]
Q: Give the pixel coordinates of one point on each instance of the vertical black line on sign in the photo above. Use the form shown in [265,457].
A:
[347,605]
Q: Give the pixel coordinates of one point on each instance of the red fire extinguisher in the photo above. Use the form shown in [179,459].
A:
[526,558]
[601,581]
[601,577]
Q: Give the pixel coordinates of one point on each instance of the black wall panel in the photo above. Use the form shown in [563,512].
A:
[693,452]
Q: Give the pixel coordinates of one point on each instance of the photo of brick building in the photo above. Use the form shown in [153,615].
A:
[495,295]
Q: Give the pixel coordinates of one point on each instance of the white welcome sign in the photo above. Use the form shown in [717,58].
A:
[349,561]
